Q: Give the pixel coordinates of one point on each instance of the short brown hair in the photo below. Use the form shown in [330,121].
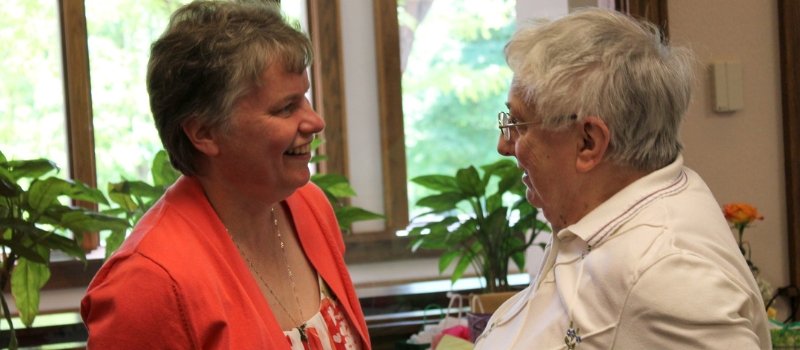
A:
[211,54]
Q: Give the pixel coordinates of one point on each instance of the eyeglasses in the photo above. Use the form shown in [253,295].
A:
[504,123]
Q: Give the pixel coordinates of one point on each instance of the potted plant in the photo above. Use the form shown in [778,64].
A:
[483,221]
[35,217]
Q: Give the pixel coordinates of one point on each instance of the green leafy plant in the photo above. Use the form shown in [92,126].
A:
[474,226]
[35,221]
[338,190]
[134,197]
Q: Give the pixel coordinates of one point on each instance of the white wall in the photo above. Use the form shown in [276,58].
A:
[740,155]
[361,92]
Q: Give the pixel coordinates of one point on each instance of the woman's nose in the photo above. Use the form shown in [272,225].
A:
[312,122]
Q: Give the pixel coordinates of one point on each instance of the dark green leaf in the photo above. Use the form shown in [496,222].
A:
[441,183]
[447,258]
[349,214]
[441,202]
[87,221]
[82,192]
[114,241]
[32,169]
[64,244]
[461,267]
[500,165]
[469,182]
[27,279]
[137,189]
[124,200]
[519,260]
[43,193]
[8,186]
[494,201]
[23,250]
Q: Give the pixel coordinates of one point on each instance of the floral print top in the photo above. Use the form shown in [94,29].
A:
[328,329]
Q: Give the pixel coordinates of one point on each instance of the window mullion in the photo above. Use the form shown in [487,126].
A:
[78,101]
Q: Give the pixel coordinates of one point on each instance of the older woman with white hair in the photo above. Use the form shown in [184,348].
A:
[641,256]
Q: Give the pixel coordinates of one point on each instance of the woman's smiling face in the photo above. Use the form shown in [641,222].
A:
[266,146]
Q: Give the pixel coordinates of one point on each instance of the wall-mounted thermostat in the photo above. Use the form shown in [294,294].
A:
[726,78]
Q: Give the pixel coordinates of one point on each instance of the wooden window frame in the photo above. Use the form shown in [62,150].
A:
[789,37]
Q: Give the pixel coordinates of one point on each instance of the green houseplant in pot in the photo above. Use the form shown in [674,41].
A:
[35,221]
[482,220]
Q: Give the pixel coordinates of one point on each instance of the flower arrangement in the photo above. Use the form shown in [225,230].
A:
[740,216]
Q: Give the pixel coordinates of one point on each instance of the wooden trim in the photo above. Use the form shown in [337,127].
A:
[789,31]
[328,80]
[390,100]
[654,11]
[78,101]
[368,247]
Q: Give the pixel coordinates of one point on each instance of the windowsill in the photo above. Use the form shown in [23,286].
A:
[371,280]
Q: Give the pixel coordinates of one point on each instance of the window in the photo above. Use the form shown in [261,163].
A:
[119,34]
[31,85]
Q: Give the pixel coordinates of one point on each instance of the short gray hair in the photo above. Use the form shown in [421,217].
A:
[604,63]
[211,54]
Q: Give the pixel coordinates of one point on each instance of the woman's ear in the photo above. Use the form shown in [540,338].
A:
[595,138]
[201,136]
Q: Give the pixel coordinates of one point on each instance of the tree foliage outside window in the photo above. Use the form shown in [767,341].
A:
[455,81]
[32,123]
[119,36]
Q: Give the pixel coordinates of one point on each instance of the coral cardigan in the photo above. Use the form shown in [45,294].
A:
[178,281]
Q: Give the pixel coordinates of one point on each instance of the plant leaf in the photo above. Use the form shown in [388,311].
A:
[89,221]
[27,279]
[23,251]
[32,168]
[318,158]
[349,214]
[463,263]
[441,183]
[469,182]
[80,191]
[64,244]
[162,171]
[43,193]
[114,241]
[446,259]
[442,201]
[138,189]
[334,185]
[8,186]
